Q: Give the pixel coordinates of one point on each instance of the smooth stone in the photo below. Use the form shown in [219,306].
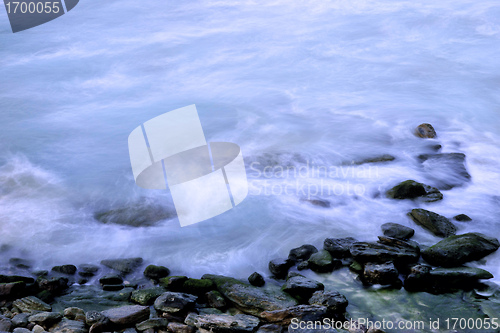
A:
[65,269]
[30,304]
[156,272]
[446,170]
[87,270]
[322,262]
[69,326]
[256,279]
[174,302]
[398,231]
[300,287]
[215,299]
[435,223]
[55,285]
[303,252]
[21,330]
[197,287]
[38,329]
[73,312]
[279,267]
[418,279]
[92,317]
[146,296]
[460,273]
[45,319]
[339,247]
[127,315]
[364,252]
[124,266]
[384,274]
[110,279]
[239,323]
[374,159]
[426,131]
[319,202]
[12,290]
[154,323]
[457,250]
[410,189]
[462,218]
[301,312]
[250,299]
[142,214]
[20,320]
[334,301]
[5,323]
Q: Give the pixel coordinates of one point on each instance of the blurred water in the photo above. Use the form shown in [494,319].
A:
[294,83]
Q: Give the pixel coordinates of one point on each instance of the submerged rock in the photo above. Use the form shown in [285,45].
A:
[447,170]
[462,218]
[411,189]
[300,287]
[250,299]
[139,215]
[374,159]
[256,279]
[124,266]
[457,250]
[322,262]
[319,202]
[303,252]
[339,247]
[65,269]
[384,274]
[334,301]
[87,270]
[425,130]
[226,323]
[398,231]
[435,223]
[364,252]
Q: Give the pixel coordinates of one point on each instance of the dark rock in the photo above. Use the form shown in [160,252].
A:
[55,285]
[322,262]
[124,266]
[319,202]
[250,299]
[12,290]
[92,317]
[74,313]
[127,315]
[394,242]
[45,319]
[69,326]
[154,323]
[334,301]
[364,252]
[65,269]
[20,320]
[41,273]
[87,270]
[279,267]
[418,279]
[30,304]
[21,330]
[215,299]
[173,283]
[302,265]
[300,287]
[457,250]
[446,170]
[198,287]
[146,296]
[339,247]
[425,131]
[179,328]
[223,323]
[15,278]
[256,279]
[20,263]
[303,252]
[459,274]
[142,214]
[270,328]
[398,231]
[462,218]
[156,272]
[301,312]
[5,324]
[110,279]
[384,274]
[173,302]
[374,159]
[113,287]
[356,267]
[435,223]
[411,189]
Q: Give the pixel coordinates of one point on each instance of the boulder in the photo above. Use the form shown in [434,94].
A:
[364,252]
[449,275]
[411,189]
[215,299]
[446,170]
[45,319]
[322,262]
[279,267]
[31,304]
[301,312]
[54,285]
[300,287]
[12,290]
[5,324]
[87,270]
[457,250]
[462,218]
[152,323]
[198,287]
[339,247]
[20,320]
[334,301]
[385,274]
[173,302]
[435,223]
[173,283]
[250,299]
[127,315]
[146,296]
[156,272]
[301,253]
[418,279]
[256,279]
[111,279]
[124,266]
[223,323]
[65,269]
[69,326]
[425,131]
[15,278]
[398,231]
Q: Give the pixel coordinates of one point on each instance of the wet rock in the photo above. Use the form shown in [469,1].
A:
[45,319]
[5,324]
[462,218]
[435,223]
[398,231]
[302,265]
[459,274]
[339,247]
[399,243]
[92,317]
[20,320]
[250,299]
[418,279]
[198,287]
[12,290]
[300,287]
[270,328]
[153,323]
[385,274]
[65,269]
[279,267]
[156,272]
[142,214]
[173,302]
[411,189]
[457,250]
[173,283]
[74,313]
[179,328]
[319,202]
[127,315]
[124,266]
[223,323]
[110,279]
[55,285]
[215,299]
[364,252]
[38,329]
[301,312]
[20,263]
[87,270]
[374,159]
[30,304]
[446,170]
[112,287]
[256,279]
[425,131]
[301,253]
[334,301]
[15,278]
[322,262]
[69,326]
[21,330]
[146,296]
